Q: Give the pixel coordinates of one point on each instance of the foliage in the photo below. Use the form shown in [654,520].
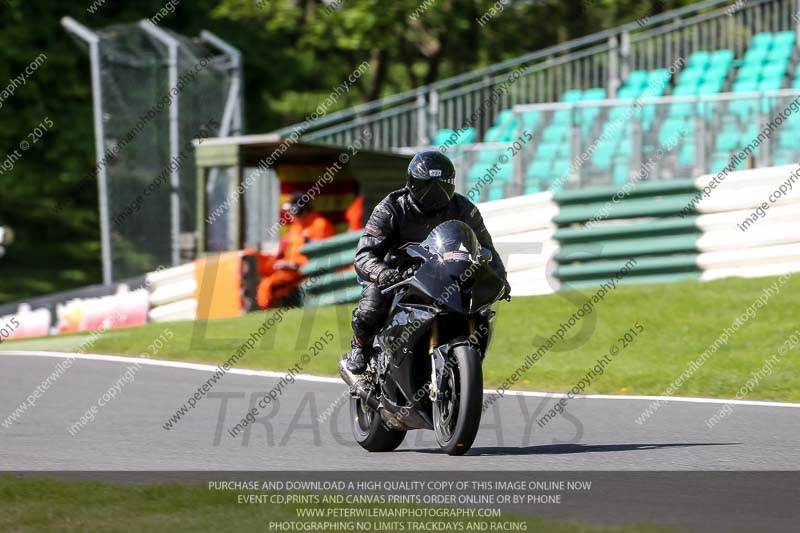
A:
[295,51]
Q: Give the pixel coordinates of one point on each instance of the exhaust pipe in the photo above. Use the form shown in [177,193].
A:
[357,386]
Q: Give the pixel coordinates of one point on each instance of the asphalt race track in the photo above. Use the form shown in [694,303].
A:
[295,433]
[127,432]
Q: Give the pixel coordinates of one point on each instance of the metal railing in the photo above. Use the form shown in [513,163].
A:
[626,141]
[603,59]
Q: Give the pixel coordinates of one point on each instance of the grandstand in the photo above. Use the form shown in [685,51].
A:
[683,90]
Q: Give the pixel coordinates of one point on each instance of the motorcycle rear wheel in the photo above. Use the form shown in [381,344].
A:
[457,413]
[369,430]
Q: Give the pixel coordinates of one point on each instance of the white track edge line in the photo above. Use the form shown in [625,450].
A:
[338,381]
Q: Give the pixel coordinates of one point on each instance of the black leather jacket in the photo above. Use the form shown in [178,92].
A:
[397,220]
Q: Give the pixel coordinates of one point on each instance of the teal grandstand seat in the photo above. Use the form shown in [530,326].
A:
[489,156]
[772,84]
[619,175]
[722,58]
[539,170]
[530,120]
[555,133]
[699,59]
[548,151]
[593,94]
[442,136]
[572,96]
[560,169]
[749,72]
[727,141]
[771,70]
[495,193]
[492,134]
[628,93]
[691,76]
[761,40]
[786,157]
[687,154]
[637,79]
[785,38]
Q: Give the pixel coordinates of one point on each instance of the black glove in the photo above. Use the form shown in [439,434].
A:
[506,290]
[389,277]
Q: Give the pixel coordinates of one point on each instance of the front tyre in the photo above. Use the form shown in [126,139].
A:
[457,411]
[369,430]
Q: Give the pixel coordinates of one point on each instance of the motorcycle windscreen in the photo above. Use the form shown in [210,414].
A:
[453,239]
[456,277]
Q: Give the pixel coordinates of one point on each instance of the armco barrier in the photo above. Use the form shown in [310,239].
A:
[172,293]
[602,228]
[331,281]
[681,228]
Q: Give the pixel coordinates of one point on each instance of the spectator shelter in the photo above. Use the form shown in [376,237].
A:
[242,182]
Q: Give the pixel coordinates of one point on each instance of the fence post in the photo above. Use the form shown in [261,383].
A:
[796,19]
[613,67]
[636,150]
[93,40]
[172,44]
[701,146]
[433,113]
[422,119]
[625,56]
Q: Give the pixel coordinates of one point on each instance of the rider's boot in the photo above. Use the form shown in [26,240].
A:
[357,358]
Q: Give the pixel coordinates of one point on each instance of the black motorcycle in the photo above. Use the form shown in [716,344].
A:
[426,369]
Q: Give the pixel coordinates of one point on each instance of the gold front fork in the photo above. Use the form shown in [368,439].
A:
[434,335]
[433,344]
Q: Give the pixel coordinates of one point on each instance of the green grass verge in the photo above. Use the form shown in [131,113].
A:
[48,505]
[680,321]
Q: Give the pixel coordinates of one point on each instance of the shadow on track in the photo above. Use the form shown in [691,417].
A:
[558,449]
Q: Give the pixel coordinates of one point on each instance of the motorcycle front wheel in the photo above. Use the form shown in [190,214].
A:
[369,430]
[457,411]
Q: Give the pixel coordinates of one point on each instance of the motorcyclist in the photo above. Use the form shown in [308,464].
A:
[404,216]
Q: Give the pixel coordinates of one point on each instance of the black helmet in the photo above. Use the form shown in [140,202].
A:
[431,180]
